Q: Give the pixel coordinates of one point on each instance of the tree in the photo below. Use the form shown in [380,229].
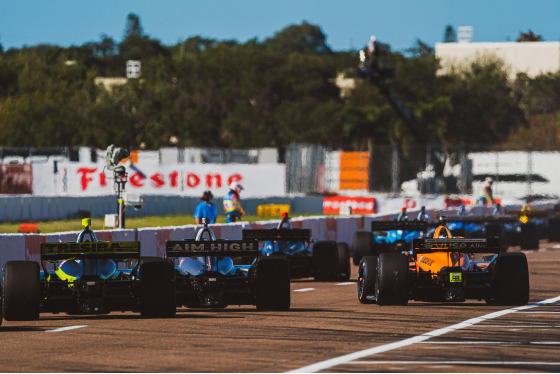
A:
[449,36]
[136,45]
[133,29]
[106,47]
[529,36]
[304,38]
[484,108]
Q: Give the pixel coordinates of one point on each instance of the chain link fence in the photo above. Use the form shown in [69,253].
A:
[413,169]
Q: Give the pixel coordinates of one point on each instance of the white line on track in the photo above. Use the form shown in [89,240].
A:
[415,339]
[482,342]
[304,289]
[448,363]
[67,328]
[345,284]
[522,326]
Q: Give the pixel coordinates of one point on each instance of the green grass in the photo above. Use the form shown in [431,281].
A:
[130,223]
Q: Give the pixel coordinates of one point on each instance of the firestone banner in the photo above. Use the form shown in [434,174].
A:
[76,179]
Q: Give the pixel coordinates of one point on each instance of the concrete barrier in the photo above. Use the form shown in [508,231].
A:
[152,240]
[46,208]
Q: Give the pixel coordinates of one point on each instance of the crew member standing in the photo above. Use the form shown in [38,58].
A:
[206,208]
[486,195]
[232,203]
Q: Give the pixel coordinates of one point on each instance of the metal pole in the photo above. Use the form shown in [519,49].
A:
[395,171]
[529,171]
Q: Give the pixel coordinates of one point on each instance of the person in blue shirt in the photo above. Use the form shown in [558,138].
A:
[206,208]
[423,215]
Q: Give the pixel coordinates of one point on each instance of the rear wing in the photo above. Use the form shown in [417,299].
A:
[293,235]
[109,250]
[540,213]
[483,219]
[218,248]
[431,245]
[399,225]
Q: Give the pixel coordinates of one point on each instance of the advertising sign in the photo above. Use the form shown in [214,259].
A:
[358,204]
[77,179]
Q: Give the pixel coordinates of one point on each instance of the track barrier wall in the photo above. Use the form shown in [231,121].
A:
[47,208]
[152,240]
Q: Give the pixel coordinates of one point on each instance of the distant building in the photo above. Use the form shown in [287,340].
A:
[133,70]
[532,58]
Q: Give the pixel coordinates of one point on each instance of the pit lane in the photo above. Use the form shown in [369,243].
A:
[325,323]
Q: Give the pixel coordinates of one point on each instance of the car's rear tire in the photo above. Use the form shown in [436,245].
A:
[529,236]
[362,245]
[21,291]
[511,280]
[392,279]
[272,288]
[554,229]
[325,261]
[157,288]
[498,230]
[367,276]
[344,268]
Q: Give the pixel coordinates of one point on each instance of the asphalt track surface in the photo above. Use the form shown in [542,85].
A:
[326,330]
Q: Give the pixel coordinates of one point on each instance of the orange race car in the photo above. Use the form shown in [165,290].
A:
[444,268]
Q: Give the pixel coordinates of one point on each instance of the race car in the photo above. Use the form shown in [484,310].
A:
[386,236]
[215,273]
[88,277]
[323,260]
[484,226]
[1,306]
[445,269]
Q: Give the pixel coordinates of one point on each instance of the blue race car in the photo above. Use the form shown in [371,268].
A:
[323,260]
[215,273]
[88,277]
[386,236]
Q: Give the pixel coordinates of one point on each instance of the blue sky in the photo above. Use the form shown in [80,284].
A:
[346,23]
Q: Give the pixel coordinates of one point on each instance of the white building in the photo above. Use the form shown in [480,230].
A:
[532,58]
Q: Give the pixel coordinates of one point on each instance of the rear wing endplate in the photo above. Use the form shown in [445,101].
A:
[110,250]
[430,245]
[218,248]
[293,235]
[399,225]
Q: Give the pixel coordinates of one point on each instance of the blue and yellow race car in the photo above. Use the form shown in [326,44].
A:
[88,277]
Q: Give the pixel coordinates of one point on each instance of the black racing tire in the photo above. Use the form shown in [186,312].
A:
[157,288]
[367,276]
[325,261]
[21,291]
[529,236]
[344,268]
[554,229]
[498,230]
[392,279]
[362,245]
[510,281]
[272,288]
